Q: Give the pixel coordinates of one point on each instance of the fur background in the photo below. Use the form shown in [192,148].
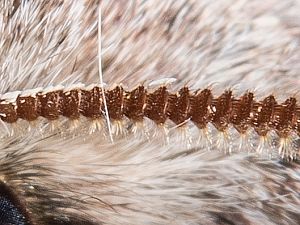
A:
[66,175]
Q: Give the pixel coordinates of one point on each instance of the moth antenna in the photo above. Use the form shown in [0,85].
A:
[132,111]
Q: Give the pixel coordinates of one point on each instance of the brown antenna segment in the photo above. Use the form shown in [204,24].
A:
[201,107]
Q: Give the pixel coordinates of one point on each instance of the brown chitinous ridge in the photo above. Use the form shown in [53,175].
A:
[200,107]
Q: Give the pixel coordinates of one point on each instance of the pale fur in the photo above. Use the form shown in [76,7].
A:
[66,173]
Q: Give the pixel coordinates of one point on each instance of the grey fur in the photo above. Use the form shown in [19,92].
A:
[69,176]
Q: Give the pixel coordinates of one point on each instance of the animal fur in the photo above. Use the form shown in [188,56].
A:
[67,175]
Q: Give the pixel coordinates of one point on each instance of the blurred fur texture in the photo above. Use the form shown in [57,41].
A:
[69,176]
